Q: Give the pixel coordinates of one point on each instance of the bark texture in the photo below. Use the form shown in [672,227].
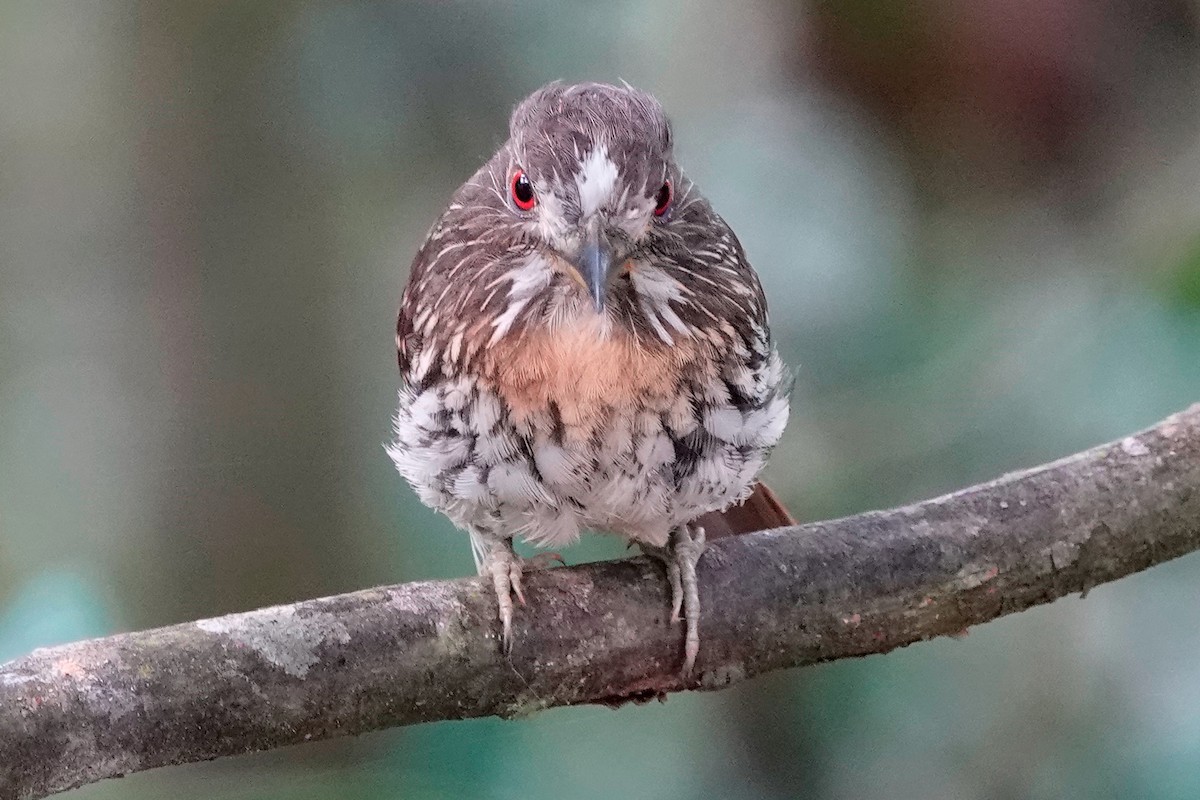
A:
[399,655]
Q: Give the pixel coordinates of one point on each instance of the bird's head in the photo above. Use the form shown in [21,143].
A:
[590,180]
[582,219]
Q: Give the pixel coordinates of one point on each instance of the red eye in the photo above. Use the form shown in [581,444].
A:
[522,191]
[662,200]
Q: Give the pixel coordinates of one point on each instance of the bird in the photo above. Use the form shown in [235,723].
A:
[584,346]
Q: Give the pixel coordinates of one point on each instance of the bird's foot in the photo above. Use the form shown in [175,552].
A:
[680,557]
[505,568]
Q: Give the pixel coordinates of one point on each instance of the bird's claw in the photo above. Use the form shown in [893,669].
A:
[506,570]
[680,557]
[515,574]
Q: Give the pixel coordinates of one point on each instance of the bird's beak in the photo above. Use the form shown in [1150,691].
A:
[594,263]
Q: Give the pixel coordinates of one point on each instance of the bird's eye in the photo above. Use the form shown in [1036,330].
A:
[522,191]
[662,200]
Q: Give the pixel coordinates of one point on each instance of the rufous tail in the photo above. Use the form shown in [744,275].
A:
[761,511]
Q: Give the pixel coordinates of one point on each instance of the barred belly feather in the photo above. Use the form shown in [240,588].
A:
[636,444]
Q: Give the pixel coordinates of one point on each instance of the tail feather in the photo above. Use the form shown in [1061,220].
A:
[761,511]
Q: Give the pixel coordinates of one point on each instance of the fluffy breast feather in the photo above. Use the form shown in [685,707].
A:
[589,374]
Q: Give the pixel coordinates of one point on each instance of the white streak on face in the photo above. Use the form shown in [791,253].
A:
[597,179]
[648,311]
[656,290]
[527,281]
[550,222]
[504,322]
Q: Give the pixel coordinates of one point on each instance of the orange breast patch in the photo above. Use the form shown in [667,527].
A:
[588,373]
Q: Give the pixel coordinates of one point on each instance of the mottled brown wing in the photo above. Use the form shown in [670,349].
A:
[762,511]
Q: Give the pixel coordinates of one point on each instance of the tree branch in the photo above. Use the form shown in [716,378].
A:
[425,651]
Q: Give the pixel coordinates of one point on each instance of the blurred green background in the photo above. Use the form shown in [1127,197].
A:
[978,223]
